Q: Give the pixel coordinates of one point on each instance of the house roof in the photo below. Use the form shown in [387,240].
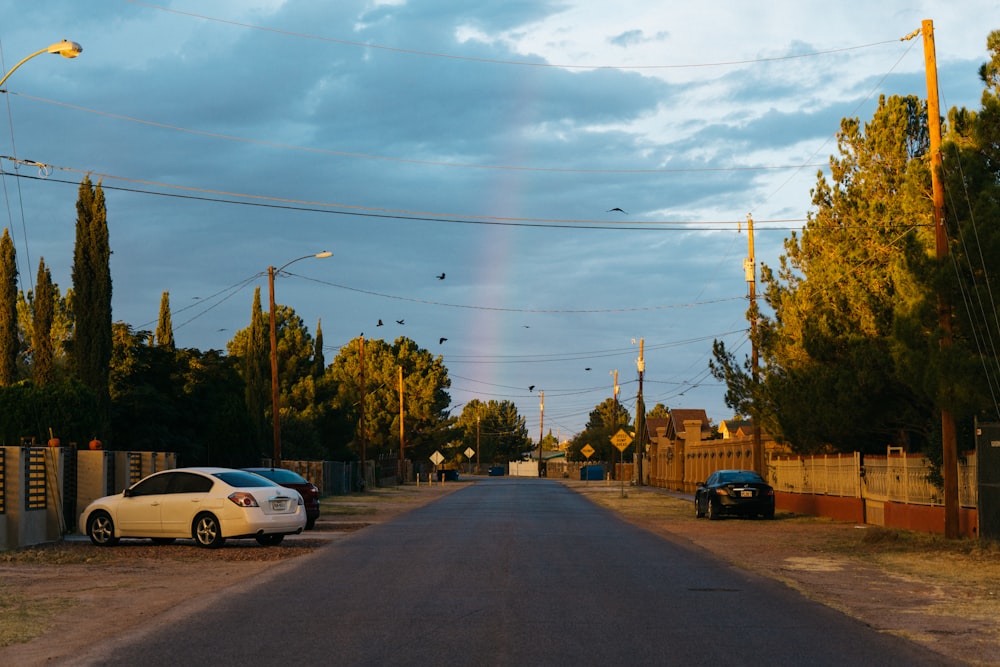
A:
[680,415]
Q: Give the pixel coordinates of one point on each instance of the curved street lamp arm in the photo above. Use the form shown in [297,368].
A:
[64,48]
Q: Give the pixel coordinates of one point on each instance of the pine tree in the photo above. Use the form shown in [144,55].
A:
[92,342]
[43,313]
[164,329]
[8,311]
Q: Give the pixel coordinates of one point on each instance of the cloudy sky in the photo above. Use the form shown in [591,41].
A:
[488,142]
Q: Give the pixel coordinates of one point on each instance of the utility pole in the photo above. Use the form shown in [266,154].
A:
[402,433]
[614,416]
[640,418]
[361,420]
[949,444]
[541,429]
[750,269]
[479,468]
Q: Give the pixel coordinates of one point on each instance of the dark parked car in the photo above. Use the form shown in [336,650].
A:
[742,492]
[293,480]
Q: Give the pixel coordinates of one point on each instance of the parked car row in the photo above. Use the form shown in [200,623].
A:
[208,505]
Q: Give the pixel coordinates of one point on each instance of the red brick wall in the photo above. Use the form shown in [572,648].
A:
[834,507]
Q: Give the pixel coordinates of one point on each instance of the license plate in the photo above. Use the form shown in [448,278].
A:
[746,494]
[279,505]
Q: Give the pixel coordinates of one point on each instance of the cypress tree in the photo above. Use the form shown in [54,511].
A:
[8,311]
[92,341]
[164,329]
[256,371]
[318,358]
[43,313]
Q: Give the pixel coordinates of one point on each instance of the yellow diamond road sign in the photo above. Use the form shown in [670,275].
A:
[587,451]
[621,440]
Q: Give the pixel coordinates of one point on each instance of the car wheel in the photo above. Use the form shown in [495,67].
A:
[712,509]
[270,540]
[163,540]
[698,513]
[769,514]
[207,532]
[101,529]
[310,524]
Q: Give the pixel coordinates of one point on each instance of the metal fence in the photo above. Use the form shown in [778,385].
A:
[894,477]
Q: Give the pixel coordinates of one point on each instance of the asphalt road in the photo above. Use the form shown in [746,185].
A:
[509,572]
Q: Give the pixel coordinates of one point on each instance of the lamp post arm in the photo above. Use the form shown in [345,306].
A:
[21,62]
[320,255]
[64,48]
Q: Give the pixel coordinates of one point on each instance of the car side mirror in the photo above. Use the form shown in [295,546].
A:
[127,493]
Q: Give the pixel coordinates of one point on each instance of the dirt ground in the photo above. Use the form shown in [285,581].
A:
[55,601]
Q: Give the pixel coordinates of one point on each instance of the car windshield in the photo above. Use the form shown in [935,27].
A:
[243,480]
[740,477]
[281,476]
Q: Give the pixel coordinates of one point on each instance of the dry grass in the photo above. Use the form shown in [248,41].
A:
[24,620]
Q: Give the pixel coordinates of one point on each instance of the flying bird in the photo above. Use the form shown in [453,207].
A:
[611,210]
[379,323]
[531,388]
[586,369]
[400,322]
[441,277]
[441,340]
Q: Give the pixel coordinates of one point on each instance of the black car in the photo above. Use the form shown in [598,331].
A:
[740,492]
[293,480]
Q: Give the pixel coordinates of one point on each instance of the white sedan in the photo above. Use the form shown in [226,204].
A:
[208,505]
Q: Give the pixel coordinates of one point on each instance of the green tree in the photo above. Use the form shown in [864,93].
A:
[851,356]
[605,420]
[43,310]
[426,399]
[164,329]
[319,361]
[830,362]
[659,411]
[296,386]
[32,305]
[9,342]
[92,340]
[496,428]
[183,401]
[251,347]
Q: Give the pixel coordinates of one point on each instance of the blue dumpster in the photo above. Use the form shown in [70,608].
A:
[496,471]
[591,472]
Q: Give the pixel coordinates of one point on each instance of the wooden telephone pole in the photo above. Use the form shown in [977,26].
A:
[750,269]
[949,444]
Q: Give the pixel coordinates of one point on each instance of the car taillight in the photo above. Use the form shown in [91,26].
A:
[243,499]
[301,502]
[722,491]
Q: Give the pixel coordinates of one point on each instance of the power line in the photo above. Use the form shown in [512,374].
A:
[430,163]
[495,61]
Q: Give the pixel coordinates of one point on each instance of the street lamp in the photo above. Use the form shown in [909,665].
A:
[64,48]
[275,402]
